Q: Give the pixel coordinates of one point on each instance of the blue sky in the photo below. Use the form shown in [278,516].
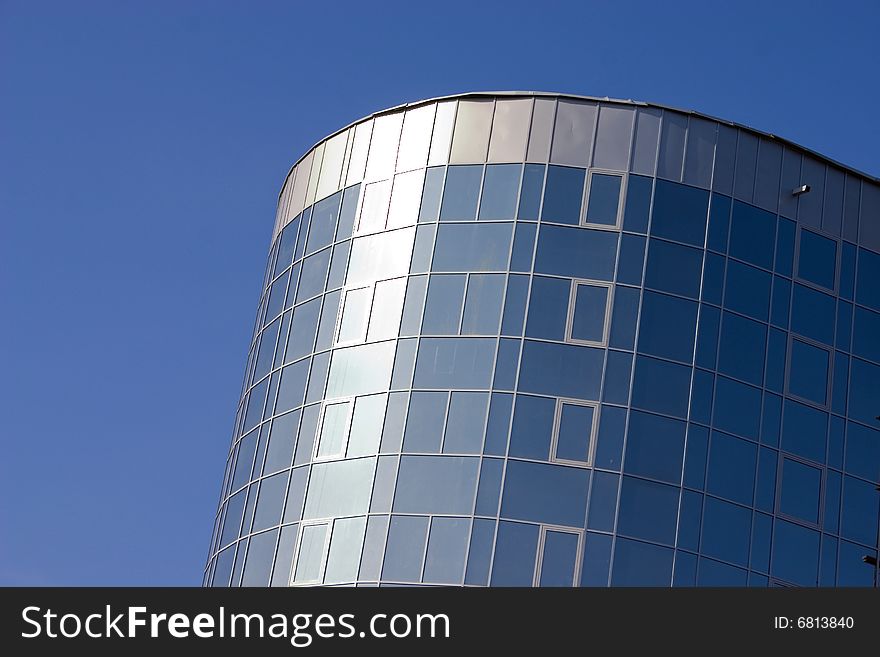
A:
[142,145]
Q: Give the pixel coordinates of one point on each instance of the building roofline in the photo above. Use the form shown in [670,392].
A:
[619,101]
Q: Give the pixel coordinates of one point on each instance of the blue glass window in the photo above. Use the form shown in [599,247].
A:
[638,204]
[576,252]
[314,275]
[719,223]
[747,290]
[499,191]
[286,246]
[731,468]
[532,188]
[469,247]
[604,201]
[461,193]
[515,550]
[785,247]
[455,363]
[866,334]
[443,305]
[752,235]
[575,432]
[405,549]
[548,308]
[641,564]
[661,386]
[436,484]
[737,408]
[680,213]
[551,494]
[648,510]
[726,531]
[741,348]
[631,262]
[863,451]
[563,195]
[858,517]
[674,268]
[323,226]
[424,422]
[347,212]
[813,314]
[532,427]
[808,374]
[654,447]
[864,391]
[430,206]
[668,326]
[466,423]
[817,259]
[523,247]
[558,558]
[795,554]
[562,370]
[799,494]
[447,545]
[803,431]
[589,313]
[867,275]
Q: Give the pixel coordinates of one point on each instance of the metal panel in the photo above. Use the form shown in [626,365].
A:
[869,225]
[644,159]
[442,134]
[415,138]
[510,130]
[331,166]
[851,199]
[357,162]
[313,176]
[832,210]
[301,184]
[746,159]
[672,136]
[383,146]
[810,204]
[767,175]
[573,133]
[613,137]
[542,130]
[725,159]
[791,178]
[700,152]
[470,140]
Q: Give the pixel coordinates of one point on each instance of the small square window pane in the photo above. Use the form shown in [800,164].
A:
[309,562]
[604,199]
[575,431]
[590,304]
[557,563]
[355,312]
[333,430]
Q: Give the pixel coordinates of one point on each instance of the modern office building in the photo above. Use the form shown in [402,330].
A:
[537,339]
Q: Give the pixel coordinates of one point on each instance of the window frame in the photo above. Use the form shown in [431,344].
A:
[621,198]
[326,522]
[829,381]
[834,290]
[349,414]
[539,552]
[557,424]
[361,337]
[569,319]
[823,475]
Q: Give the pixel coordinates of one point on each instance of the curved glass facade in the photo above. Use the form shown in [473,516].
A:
[526,339]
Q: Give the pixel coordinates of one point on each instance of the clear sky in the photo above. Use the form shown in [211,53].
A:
[142,146]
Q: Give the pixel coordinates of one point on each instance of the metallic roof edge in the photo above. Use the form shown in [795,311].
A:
[606,99]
